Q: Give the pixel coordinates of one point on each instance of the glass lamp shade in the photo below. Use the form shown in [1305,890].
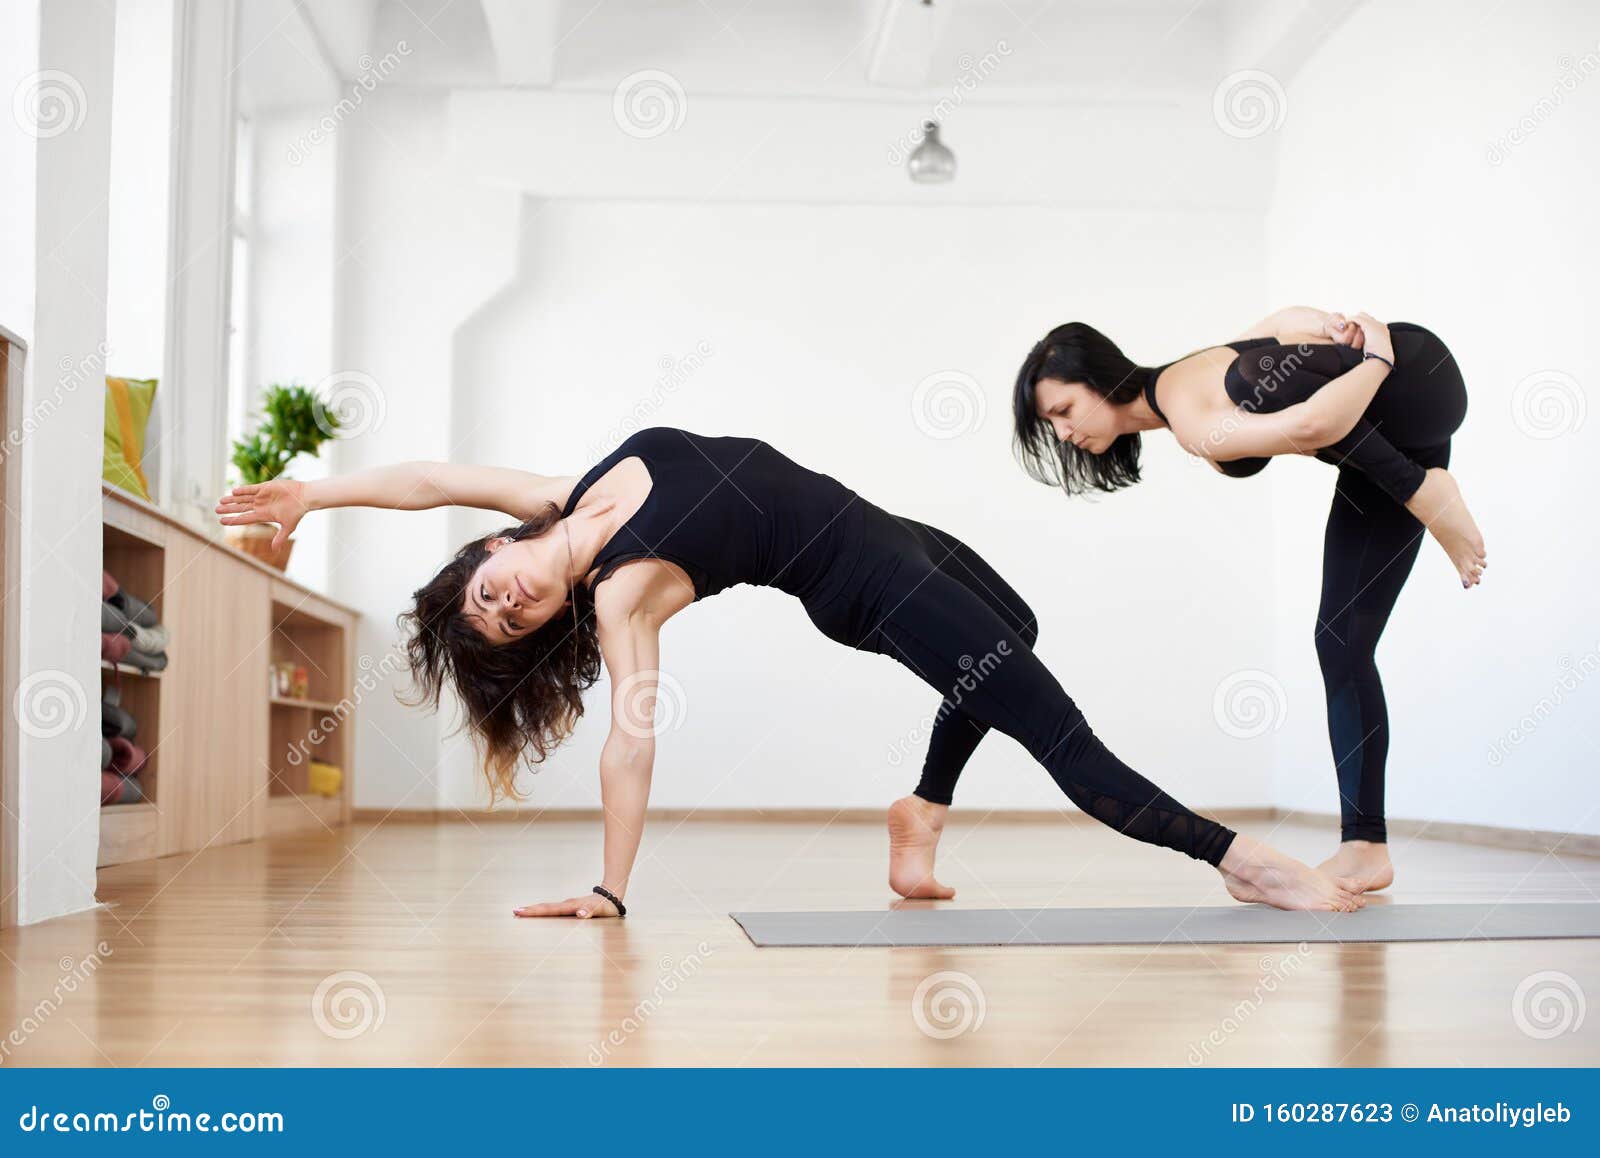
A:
[931,162]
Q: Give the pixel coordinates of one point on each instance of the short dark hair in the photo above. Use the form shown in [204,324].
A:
[1076,352]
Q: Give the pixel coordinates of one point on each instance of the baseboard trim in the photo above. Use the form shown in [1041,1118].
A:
[1495,836]
[1525,839]
[769,815]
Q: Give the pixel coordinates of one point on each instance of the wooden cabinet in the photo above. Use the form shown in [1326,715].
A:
[227,759]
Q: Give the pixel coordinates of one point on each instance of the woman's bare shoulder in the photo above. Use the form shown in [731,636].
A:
[649,590]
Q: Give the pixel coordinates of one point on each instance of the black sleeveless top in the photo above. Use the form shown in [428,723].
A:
[727,510]
[1239,390]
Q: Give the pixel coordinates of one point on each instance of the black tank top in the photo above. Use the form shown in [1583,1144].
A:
[1238,390]
[728,510]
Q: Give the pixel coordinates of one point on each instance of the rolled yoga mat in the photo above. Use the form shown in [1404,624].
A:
[1219,925]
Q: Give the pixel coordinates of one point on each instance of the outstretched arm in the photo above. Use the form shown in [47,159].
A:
[405,486]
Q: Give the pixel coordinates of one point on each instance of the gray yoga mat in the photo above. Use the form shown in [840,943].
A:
[1221,925]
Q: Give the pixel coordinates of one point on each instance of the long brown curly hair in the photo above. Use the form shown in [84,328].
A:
[520,698]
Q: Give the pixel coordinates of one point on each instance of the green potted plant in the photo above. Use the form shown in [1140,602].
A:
[293,422]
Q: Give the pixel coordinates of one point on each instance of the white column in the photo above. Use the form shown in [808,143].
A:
[55,709]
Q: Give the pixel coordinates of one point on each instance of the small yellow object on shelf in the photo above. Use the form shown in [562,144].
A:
[324,779]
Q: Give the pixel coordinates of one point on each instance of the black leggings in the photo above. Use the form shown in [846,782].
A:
[927,600]
[1371,540]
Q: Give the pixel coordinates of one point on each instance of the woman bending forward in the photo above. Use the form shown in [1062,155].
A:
[1379,402]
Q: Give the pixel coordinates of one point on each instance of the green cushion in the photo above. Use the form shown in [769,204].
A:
[128,402]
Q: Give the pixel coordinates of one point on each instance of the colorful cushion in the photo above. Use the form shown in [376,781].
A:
[128,402]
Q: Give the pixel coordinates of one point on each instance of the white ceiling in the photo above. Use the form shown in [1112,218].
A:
[1067,50]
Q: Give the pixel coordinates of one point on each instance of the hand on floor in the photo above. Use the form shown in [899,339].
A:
[584,907]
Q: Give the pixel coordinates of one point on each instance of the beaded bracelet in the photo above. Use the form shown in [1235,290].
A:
[622,910]
[1377,358]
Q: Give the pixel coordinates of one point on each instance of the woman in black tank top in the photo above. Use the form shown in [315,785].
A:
[519,623]
[1378,402]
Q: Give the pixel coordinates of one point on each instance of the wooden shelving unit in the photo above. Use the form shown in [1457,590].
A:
[139,563]
[313,705]
[227,759]
[129,670]
[315,728]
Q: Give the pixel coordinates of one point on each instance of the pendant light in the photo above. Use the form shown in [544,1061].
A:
[932,162]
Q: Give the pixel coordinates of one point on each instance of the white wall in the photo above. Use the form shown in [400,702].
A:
[136,298]
[294,316]
[1402,191]
[140,206]
[819,320]
[421,250]
[19,58]
[825,291]
[195,417]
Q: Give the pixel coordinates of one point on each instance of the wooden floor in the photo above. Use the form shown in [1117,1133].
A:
[406,931]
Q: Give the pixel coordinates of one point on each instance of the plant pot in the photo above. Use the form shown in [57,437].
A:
[255,540]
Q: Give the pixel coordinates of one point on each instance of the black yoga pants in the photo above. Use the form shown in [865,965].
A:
[1371,541]
[925,599]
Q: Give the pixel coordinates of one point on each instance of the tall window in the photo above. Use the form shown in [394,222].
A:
[140,213]
[241,351]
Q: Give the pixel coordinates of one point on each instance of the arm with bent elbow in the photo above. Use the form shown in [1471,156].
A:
[1323,419]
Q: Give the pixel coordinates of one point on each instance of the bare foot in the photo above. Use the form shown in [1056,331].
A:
[1257,872]
[1439,506]
[914,828]
[1363,861]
